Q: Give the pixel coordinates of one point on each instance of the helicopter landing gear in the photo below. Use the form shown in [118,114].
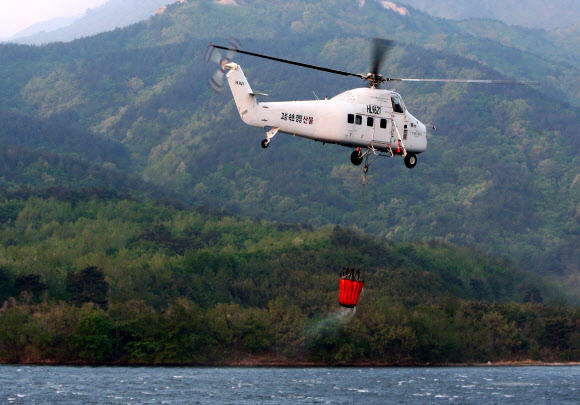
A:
[356,157]
[269,135]
[410,160]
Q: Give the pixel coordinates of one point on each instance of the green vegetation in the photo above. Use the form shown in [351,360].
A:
[456,251]
[115,280]
[131,108]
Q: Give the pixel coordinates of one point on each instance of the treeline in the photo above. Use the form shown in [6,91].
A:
[85,278]
[381,332]
[136,99]
[500,175]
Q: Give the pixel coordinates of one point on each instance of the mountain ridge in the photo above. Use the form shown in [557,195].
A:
[499,173]
[107,17]
[527,13]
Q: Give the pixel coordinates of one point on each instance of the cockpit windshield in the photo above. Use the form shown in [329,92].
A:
[398,105]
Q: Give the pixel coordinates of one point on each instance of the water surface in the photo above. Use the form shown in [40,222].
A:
[205,385]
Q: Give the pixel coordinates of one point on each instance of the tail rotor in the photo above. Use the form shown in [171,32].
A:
[213,55]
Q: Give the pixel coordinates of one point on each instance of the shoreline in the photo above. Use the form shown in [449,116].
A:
[262,363]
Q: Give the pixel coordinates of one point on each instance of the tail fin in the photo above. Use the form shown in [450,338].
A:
[245,98]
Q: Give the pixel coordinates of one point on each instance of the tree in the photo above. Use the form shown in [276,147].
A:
[6,285]
[93,336]
[13,335]
[256,332]
[88,285]
[31,284]
[533,295]
[185,333]
[556,333]
[288,326]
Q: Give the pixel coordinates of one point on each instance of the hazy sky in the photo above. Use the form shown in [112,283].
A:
[15,15]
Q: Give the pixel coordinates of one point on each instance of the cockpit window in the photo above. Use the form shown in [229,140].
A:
[397,104]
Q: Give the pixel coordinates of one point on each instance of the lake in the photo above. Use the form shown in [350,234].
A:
[240,385]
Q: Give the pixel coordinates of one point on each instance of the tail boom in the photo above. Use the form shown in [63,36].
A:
[248,107]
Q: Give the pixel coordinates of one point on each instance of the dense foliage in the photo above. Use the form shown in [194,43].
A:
[91,279]
[90,131]
[500,174]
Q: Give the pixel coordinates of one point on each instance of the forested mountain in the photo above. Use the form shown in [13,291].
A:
[500,173]
[42,27]
[561,45]
[113,14]
[465,255]
[102,278]
[525,13]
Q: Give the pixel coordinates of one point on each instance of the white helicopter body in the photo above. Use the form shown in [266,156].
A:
[360,118]
[371,120]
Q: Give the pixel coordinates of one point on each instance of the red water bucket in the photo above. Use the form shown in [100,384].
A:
[349,292]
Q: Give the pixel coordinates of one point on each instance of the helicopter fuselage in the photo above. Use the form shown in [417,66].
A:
[363,117]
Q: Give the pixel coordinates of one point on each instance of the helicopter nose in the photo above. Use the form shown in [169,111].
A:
[422,129]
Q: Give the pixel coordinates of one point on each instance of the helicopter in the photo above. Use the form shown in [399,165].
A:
[371,120]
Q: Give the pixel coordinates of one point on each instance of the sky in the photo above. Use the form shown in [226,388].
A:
[16,15]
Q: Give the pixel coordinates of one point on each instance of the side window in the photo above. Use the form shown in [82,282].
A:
[383,123]
[358,120]
[350,118]
[396,104]
[370,121]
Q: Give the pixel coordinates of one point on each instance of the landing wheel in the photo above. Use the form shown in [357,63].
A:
[410,160]
[356,158]
[265,143]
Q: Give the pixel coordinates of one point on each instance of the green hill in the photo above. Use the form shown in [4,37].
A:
[500,174]
[101,278]
[526,13]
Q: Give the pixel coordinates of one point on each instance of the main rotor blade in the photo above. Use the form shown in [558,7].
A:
[464,81]
[380,49]
[291,62]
